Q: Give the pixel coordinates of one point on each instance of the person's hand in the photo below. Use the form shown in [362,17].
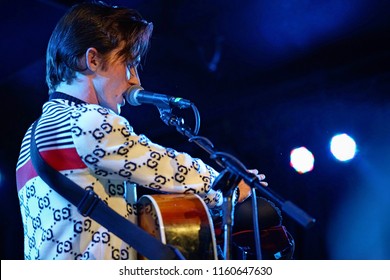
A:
[245,190]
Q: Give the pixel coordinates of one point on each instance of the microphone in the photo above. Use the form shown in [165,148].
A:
[136,95]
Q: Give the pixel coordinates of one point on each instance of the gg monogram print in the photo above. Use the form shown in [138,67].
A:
[98,150]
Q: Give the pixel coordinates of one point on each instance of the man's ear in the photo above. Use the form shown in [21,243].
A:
[92,59]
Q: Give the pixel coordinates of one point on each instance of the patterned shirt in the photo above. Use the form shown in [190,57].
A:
[98,150]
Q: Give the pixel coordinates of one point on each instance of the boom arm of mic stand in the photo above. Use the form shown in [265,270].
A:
[286,206]
[239,169]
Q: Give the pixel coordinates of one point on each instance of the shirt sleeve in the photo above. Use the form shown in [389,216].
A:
[109,147]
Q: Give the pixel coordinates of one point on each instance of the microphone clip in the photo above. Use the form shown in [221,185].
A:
[167,117]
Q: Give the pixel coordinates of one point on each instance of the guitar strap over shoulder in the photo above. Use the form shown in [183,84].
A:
[89,204]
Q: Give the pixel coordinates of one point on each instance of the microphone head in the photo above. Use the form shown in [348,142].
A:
[131,95]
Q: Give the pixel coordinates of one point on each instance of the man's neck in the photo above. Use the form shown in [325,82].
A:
[81,89]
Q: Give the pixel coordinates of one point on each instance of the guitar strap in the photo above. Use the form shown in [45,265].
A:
[89,204]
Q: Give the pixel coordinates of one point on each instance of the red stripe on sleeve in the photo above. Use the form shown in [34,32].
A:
[63,159]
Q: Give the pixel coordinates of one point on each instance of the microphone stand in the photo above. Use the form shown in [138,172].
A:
[236,172]
[227,183]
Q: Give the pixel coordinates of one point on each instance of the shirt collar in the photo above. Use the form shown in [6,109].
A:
[61,95]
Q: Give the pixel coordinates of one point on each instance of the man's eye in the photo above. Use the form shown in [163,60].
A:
[133,64]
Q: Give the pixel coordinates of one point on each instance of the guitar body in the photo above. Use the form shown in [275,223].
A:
[180,220]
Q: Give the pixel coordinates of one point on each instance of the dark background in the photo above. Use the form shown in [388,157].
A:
[267,76]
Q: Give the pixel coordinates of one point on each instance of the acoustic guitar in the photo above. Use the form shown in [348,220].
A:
[180,220]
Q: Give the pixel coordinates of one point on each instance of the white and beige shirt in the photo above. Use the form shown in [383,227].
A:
[97,149]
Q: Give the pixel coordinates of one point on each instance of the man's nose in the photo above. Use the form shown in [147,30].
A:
[134,78]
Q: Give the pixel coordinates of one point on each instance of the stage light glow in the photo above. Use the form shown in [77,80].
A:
[343,147]
[302,160]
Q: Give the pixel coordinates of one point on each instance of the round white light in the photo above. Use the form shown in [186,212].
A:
[343,147]
[302,160]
